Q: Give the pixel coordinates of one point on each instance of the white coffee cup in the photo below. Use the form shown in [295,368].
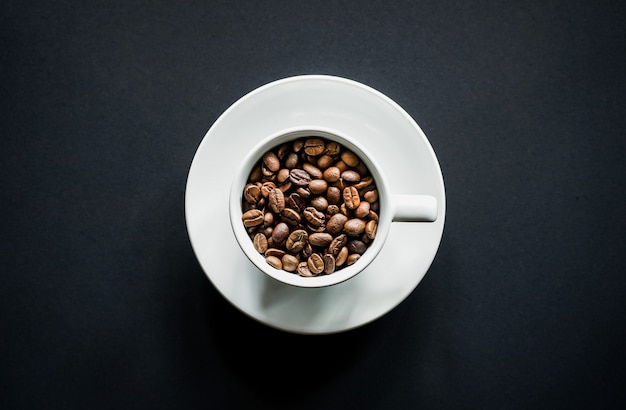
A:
[392,209]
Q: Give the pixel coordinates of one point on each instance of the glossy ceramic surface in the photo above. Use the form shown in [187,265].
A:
[379,125]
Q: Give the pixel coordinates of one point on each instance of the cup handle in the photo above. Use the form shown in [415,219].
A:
[414,208]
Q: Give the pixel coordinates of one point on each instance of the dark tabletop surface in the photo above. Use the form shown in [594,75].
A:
[103,304]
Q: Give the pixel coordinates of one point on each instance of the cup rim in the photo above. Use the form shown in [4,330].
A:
[245,243]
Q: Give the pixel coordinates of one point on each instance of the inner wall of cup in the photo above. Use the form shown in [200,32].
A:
[384,212]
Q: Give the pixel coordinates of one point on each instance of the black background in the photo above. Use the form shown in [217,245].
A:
[103,305]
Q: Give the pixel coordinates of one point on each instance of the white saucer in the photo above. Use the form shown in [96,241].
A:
[379,124]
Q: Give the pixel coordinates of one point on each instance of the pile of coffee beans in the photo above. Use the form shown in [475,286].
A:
[310,207]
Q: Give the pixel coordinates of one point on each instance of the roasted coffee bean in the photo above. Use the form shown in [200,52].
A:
[352,258]
[341,166]
[351,197]
[298,145]
[361,168]
[279,253]
[252,193]
[303,192]
[285,186]
[312,170]
[318,186]
[267,231]
[260,243]
[329,264]
[267,187]
[354,227]
[337,243]
[303,270]
[290,262]
[320,203]
[356,246]
[276,200]
[333,194]
[325,161]
[332,210]
[252,230]
[290,216]
[373,215]
[350,158]
[274,261]
[266,171]
[370,229]
[371,196]
[332,149]
[270,241]
[291,161]
[362,210]
[314,217]
[245,206]
[314,229]
[321,239]
[310,206]
[299,177]
[308,159]
[335,223]
[350,176]
[297,240]
[364,183]
[295,202]
[344,210]
[282,176]
[280,233]
[271,161]
[314,146]
[307,250]
[316,263]
[283,150]
[341,184]
[256,174]
[253,217]
[332,174]
[342,256]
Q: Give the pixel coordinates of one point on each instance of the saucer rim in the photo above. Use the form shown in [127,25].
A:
[418,131]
